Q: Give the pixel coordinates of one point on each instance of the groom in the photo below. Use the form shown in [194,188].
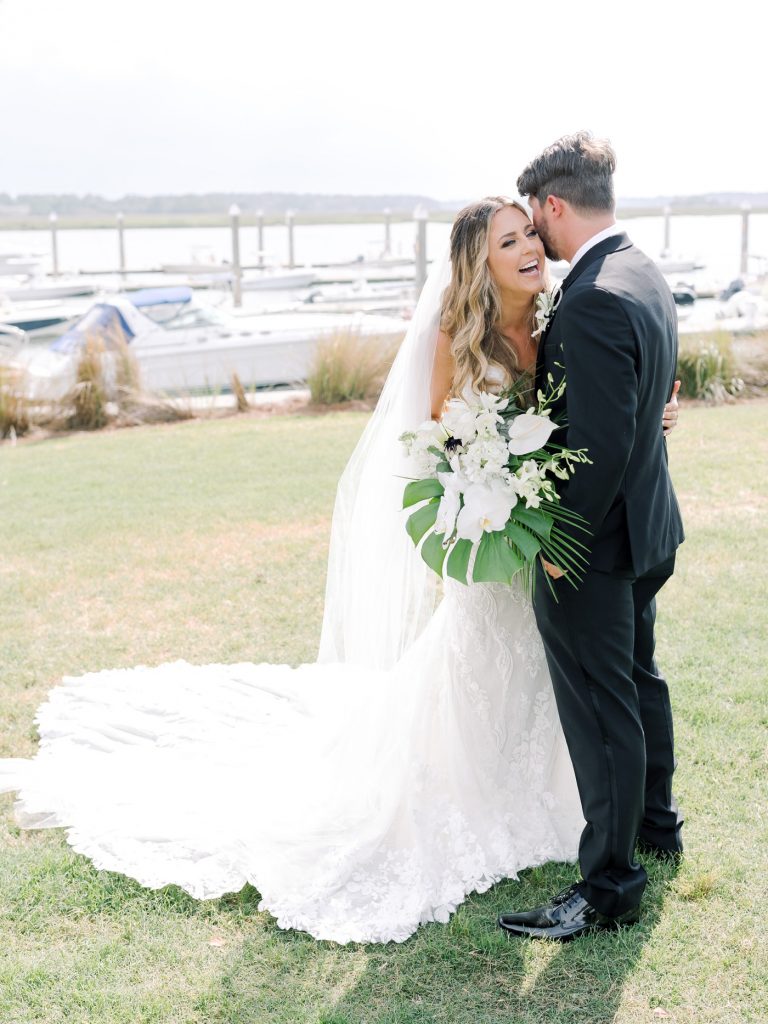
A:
[614,338]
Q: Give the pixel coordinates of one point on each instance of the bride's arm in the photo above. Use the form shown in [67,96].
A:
[442,375]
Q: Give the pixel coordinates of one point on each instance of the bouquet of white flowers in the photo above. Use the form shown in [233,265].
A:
[485,485]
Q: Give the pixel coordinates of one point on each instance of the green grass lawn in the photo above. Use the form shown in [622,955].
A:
[207,540]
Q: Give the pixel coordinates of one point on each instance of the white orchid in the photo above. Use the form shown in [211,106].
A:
[530,471]
[487,411]
[486,424]
[529,484]
[554,467]
[546,304]
[492,403]
[486,508]
[450,503]
[529,432]
[530,496]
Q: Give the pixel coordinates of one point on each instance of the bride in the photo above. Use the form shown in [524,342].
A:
[418,760]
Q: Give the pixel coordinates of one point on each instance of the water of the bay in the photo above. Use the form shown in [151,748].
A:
[713,240]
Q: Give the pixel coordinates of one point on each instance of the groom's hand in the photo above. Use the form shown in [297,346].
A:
[671,409]
[553,571]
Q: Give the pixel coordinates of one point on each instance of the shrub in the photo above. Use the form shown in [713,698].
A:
[347,367]
[14,407]
[705,366]
[88,397]
[127,376]
[134,405]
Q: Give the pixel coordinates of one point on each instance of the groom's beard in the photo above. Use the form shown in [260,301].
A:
[549,249]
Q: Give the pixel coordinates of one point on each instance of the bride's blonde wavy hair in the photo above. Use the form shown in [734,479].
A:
[471,309]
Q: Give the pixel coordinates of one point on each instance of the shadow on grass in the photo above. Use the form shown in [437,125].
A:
[465,972]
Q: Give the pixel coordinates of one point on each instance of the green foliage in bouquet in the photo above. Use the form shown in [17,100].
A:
[486,488]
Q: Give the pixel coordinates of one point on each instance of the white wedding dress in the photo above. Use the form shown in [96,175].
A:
[420,759]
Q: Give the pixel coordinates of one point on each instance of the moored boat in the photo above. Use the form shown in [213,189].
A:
[183,347]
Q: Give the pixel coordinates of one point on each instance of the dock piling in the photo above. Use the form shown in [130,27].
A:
[667,228]
[237,291]
[744,263]
[121,242]
[420,216]
[53,219]
[260,228]
[387,232]
[289,217]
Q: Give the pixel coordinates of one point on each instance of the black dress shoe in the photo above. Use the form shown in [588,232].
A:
[565,917]
[673,856]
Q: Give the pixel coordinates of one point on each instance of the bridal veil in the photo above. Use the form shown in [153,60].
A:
[379,592]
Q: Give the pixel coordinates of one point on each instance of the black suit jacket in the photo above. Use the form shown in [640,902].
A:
[614,336]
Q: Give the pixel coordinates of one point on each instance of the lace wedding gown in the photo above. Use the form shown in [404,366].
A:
[359,803]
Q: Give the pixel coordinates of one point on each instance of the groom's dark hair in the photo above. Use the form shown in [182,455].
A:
[577,168]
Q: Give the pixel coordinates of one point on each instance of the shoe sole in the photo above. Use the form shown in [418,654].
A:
[548,933]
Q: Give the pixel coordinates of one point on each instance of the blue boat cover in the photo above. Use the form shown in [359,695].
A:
[159,296]
[103,322]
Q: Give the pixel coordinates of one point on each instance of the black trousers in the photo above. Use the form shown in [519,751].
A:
[616,715]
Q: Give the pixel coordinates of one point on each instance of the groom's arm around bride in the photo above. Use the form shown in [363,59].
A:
[614,338]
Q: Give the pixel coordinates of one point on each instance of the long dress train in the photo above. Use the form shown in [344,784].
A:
[359,803]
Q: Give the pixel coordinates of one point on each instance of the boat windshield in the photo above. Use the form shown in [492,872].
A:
[182,315]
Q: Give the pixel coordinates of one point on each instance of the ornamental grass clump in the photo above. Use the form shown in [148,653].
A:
[347,367]
[133,405]
[89,395]
[15,413]
[127,376]
[705,366]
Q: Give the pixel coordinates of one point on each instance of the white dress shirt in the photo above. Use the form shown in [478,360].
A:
[614,229]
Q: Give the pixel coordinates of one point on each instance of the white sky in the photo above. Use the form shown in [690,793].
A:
[448,99]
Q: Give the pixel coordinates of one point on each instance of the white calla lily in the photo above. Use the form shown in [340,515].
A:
[529,432]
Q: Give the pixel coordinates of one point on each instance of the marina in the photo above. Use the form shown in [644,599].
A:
[236,299]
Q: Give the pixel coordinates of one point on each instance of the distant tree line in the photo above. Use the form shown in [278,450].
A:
[276,203]
[218,202]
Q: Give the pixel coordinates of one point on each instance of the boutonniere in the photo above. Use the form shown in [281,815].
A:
[546,304]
